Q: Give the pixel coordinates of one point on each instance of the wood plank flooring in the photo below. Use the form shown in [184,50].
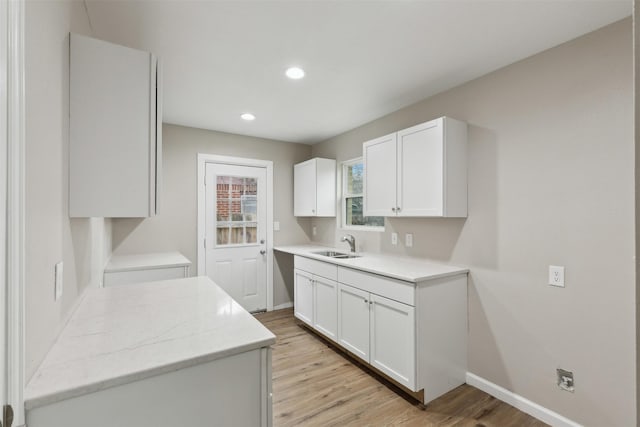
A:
[316,385]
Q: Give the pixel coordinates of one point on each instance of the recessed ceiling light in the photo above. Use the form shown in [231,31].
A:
[295,73]
[248,117]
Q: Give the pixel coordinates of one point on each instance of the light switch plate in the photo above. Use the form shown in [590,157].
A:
[394,239]
[556,276]
[408,240]
[58,281]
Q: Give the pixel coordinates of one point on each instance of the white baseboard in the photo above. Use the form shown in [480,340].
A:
[519,402]
[285,305]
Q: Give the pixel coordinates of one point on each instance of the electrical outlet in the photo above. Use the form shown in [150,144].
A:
[276,225]
[565,380]
[314,230]
[58,281]
[394,239]
[556,276]
[408,240]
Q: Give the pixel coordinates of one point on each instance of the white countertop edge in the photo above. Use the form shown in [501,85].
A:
[305,251]
[108,269]
[146,261]
[31,402]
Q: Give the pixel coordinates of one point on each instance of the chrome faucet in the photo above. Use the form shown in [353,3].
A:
[351,240]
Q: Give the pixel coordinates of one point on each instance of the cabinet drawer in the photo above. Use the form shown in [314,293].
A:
[319,268]
[116,278]
[396,290]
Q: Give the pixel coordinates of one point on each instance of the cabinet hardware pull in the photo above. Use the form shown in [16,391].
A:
[393,209]
[398,209]
[365,301]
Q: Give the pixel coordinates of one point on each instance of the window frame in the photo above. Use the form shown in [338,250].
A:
[344,194]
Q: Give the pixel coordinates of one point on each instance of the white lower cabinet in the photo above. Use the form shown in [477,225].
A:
[378,330]
[316,302]
[392,339]
[353,320]
[325,304]
[414,333]
[303,297]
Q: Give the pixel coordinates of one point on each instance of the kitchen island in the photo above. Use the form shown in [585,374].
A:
[175,352]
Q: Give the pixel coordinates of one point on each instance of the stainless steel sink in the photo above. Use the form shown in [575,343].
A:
[334,254]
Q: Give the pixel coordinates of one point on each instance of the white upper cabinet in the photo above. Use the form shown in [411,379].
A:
[420,171]
[314,188]
[115,130]
[379,156]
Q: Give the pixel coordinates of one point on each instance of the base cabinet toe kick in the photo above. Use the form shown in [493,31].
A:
[413,333]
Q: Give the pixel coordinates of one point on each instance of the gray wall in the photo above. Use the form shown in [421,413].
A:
[175,227]
[551,182]
[82,244]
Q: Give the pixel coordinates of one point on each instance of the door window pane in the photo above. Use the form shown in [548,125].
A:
[236,210]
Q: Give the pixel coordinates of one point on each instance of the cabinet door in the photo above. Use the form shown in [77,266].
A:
[114,131]
[303,297]
[379,158]
[420,170]
[304,189]
[325,304]
[393,349]
[353,320]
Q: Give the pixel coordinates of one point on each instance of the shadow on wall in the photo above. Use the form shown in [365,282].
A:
[305,225]
[284,274]
[467,241]
[478,243]
[122,228]
[88,244]
[484,340]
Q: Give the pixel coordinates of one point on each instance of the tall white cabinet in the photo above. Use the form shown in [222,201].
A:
[115,130]
[314,188]
[418,172]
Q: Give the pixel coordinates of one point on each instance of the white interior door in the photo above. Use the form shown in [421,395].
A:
[236,232]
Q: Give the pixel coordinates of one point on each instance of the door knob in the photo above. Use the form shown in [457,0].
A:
[262,252]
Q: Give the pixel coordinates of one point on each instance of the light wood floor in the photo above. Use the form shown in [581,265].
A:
[315,385]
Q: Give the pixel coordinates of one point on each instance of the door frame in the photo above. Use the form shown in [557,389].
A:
[12,197]
[203,159]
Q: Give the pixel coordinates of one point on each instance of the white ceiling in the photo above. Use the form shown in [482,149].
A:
[363,59]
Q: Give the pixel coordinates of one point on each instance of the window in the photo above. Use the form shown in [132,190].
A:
[236,210]
[352,200]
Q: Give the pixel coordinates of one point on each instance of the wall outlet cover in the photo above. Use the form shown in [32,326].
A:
[276,226]
[408,240]
[556,276]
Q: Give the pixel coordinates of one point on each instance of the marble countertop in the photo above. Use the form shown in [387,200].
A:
[122,334]
[146,261]
[398,267]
